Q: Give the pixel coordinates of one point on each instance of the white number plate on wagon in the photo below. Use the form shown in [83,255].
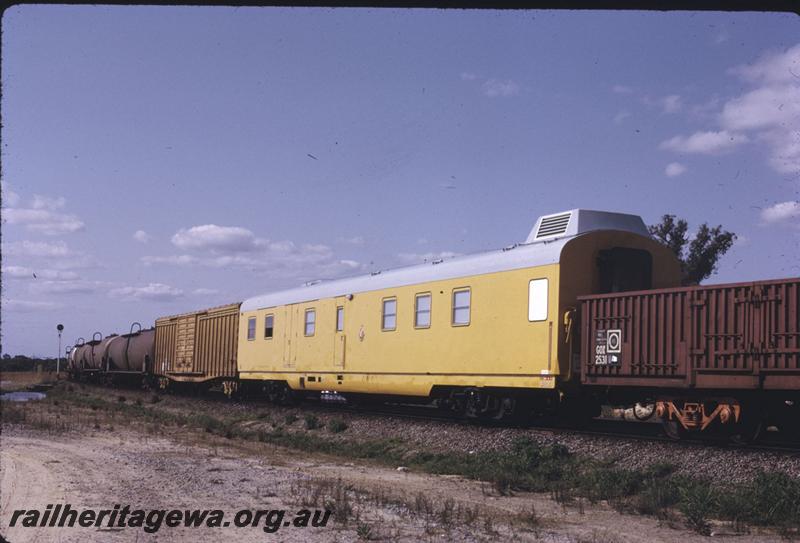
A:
[608,347]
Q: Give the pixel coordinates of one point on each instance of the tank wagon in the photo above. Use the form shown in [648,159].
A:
[85,356]
[718,358]
[486,335]
[198,349]
[73,357]
[129,354]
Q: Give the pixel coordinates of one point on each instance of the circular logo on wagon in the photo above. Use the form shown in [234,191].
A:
[614,341]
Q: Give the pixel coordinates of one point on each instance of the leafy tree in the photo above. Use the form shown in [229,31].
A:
[705,250]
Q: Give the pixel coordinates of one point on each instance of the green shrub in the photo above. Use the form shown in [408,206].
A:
[312,422]
[337,426]
[698,501]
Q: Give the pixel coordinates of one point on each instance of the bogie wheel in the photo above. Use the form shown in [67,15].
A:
[673,429]
[748,429]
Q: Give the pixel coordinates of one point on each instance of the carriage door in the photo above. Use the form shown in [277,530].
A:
[184,343]
[294,325]
[338,336]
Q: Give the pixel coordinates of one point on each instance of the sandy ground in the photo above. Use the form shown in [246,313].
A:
[103,468]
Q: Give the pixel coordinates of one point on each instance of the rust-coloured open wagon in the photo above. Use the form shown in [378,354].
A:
[708,356]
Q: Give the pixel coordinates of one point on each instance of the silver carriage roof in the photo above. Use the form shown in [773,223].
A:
[543,246]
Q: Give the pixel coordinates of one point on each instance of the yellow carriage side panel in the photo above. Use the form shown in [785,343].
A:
[498,346]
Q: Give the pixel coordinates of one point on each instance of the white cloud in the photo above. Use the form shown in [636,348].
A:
[43,221]
[621,89]
[785,151]
[10,198]
[773,114]
[772,67]
[51,281]
[355,240]
[674,169]
[45,202]
[276,259]
[222,239]
[668,104]
[763,108]
[57,254]
[26,306]
[41,216]
[768,113]
[38,249]
[705,142]
[671,103]
[204,291]
[706,110]
[141,236]
[175,260]
[22,272]
[494,88]
[721,37]
[419,258]
[784,211]
[64,287]
[621,116]
[158,292]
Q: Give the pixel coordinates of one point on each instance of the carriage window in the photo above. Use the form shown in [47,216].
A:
[537,300]
[422,311]
[269,321]
[389,317]
[311,321]
[461,304]
[339,319]
[251,328]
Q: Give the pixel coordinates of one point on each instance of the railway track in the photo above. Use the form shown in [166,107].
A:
[599,427]
[614,429]
[611,428]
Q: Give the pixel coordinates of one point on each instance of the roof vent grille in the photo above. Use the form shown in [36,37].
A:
[553,225]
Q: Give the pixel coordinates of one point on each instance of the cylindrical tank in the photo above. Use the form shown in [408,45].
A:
[72,363]
[131,352]
[81,356]
[94,355]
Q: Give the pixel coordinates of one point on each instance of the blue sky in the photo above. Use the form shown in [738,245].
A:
[161,159]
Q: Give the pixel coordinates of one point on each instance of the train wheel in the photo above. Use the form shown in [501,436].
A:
[749,427]
[747,435]
[522,414]
[673,429]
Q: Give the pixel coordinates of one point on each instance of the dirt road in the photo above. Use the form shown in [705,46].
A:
[104,468]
